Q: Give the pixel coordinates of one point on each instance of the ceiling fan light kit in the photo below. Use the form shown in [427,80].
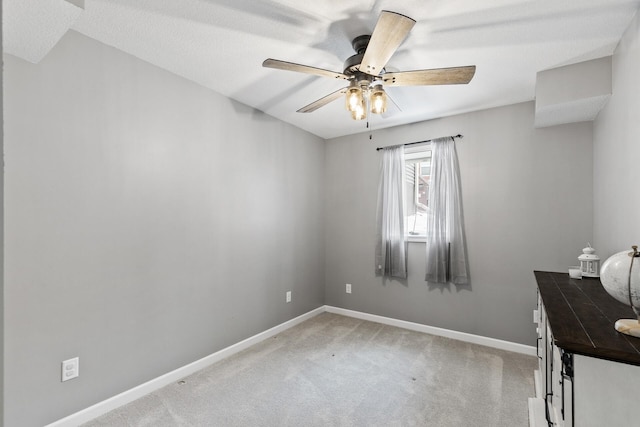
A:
[365,70]
[360,94]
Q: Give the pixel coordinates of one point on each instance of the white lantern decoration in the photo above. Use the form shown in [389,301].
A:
[589,262]
[621,279]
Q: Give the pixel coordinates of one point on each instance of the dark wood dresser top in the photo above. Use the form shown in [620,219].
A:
[581,315]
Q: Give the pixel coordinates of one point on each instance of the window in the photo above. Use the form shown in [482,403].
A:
[416,202]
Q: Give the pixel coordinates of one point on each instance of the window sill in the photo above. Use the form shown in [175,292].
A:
[416,239]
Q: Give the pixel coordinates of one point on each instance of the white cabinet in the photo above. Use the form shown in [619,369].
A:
[587,372]
[553,379]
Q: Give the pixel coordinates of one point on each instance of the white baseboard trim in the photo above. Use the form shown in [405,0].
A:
[537,414]
[448,333]
[135,393]
[537,382]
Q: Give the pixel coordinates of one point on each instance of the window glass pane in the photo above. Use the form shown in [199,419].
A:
[418,170]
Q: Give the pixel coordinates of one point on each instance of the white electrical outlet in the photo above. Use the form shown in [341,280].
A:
[348,288]
[70,369]
[288,298]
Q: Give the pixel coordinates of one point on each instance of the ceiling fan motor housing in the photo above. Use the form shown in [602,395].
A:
[360,43]
[352,64]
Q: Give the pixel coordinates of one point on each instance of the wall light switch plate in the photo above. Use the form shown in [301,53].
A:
[288,298]
[348,288]
[70,369]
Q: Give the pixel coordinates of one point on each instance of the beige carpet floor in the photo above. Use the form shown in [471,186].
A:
[333,370]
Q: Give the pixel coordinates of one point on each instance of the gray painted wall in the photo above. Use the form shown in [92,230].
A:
[132,238]
[1,239]
[149,222]
[527,203]
[617,153]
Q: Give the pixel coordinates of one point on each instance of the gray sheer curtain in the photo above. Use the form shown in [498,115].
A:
[391,252]
[446,243]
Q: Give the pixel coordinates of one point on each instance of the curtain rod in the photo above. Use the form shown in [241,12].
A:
[422,142]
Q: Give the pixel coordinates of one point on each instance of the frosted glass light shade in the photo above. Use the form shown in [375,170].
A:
[360,112]
[354,98]
[378,100]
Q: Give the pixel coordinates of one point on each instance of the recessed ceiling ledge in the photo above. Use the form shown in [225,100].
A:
[573,93]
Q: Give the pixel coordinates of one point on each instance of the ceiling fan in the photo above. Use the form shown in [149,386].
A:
[366,73]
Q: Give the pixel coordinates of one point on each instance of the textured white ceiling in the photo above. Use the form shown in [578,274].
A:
[31,29]
[221,44]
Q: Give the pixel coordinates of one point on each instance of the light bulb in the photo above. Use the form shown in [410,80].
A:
[360,112]
[354,98]
[378,100]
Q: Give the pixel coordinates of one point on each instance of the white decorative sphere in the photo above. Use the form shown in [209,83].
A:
[614,276]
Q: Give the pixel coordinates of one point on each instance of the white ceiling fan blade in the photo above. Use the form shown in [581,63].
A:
[323,101]
[292,66]
[390,31]
[392,107]
[435,76]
